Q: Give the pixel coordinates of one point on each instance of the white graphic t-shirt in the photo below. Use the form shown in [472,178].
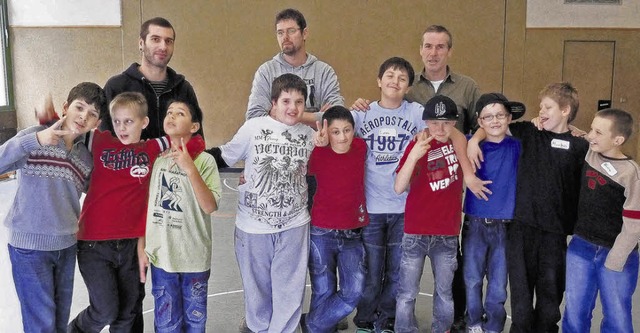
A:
[274,197]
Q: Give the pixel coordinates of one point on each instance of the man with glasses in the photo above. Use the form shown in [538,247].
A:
[322,82]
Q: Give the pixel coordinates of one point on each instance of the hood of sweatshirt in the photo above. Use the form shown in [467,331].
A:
[280,59]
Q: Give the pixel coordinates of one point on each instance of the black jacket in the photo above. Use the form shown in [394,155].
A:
[133,80]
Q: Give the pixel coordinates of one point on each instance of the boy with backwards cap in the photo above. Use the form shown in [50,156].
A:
[484,234]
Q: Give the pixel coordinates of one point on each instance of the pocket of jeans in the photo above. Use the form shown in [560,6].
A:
[24,252]
[409,242]
[163,305]
[197,307]
[450,242]
[317,231]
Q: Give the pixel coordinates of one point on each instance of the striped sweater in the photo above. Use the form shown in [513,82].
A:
[45,210]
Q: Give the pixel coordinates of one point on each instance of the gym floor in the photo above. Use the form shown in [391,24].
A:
[225,303]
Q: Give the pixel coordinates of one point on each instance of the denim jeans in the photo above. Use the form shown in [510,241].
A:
[180,301]
[382,239]
[536,266]
[273,268]
[331,251]
[442,252]
[586,275]
[44,284]
[484,247]
[110,272]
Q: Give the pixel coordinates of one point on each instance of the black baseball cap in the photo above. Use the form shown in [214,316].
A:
[516,109]
[440,107]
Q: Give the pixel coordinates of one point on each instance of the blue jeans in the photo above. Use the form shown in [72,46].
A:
[44,284]
[586,275]
[442,252]
[332,250]
[484,247]
[382,239]
[180,301]
[110,272]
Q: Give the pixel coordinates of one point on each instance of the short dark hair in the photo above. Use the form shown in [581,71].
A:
[194,110]
[90,93]
[400,64]
[438,29]
[622,121]
[292,14]
[159,21]
[288,82]
[132,100]
[338,112]
[565,94]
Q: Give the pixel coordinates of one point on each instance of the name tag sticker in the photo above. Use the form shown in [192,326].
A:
[387,132]
[562,144]
[608,167]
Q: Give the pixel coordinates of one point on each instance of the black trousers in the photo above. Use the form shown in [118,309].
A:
[536,264]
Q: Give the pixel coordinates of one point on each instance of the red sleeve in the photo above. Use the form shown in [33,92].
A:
[404,156]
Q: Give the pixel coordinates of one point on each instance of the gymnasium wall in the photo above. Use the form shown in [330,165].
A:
[220,44]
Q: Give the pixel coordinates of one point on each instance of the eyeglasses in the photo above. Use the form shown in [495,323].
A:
[500,116]
[287,32]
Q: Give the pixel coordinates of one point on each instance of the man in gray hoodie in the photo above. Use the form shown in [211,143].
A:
[321,79]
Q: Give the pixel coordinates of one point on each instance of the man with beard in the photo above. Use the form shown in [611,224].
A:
[152,77]
[159,84]
[322,83]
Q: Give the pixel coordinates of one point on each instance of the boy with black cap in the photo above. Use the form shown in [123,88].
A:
[484,234]
[432,215]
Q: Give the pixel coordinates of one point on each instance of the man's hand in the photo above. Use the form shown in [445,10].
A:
[51,136]
[320,137]
[361,104]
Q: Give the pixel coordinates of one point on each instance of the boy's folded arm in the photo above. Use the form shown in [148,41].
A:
[626,241]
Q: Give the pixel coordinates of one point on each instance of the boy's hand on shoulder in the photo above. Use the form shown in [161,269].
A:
[536,122]
[180,156]
[474,153]
[577,132]
[421,147]
[477,187]
[51,136]
[321,137]
[361,104]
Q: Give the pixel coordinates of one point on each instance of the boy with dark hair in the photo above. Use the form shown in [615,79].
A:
[337,218]
[484,234]
[430,170]
[185,189]
[546,208]
[602,257]
[108,237]
[53,167]
[272,223]
[386,128]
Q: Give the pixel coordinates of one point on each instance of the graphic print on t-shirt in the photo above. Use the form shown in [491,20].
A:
[114,159]
[382,137]
[170,196]
[442,164]
[278,177]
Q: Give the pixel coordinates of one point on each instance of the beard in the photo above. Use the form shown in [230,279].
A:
[152,60]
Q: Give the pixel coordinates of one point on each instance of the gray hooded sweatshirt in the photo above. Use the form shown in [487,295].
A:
[321,79]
